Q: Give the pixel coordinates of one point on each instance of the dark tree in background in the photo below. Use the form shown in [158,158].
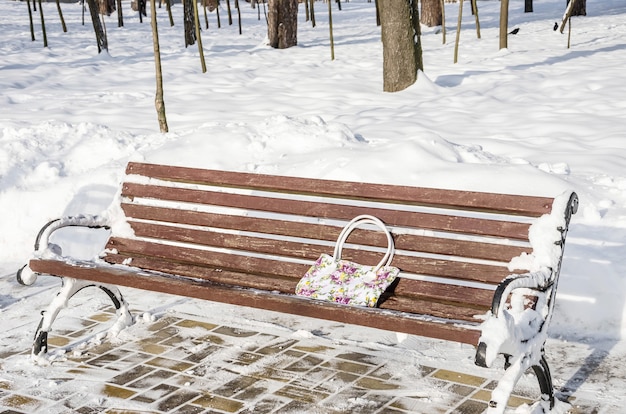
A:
[431,13]
[528,6]
[580,8]
[402,52]
[189,23]
[282,23]
[101,37]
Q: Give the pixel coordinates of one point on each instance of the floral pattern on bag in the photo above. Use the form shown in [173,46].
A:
[345,282]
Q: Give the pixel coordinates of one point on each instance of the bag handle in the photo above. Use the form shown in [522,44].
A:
[354,223]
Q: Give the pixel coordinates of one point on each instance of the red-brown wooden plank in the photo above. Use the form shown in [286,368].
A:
[513,204]
[435,309]
[471,296]
[226,261]
[437,222]
[410,242]
[291,304]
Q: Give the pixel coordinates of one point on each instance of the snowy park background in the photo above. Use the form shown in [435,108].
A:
[536,118]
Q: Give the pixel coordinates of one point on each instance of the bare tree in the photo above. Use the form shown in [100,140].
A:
[158,99]
[30,17]
[61,16]
[580,8]
[189,22]
[120,15]
[431,13]
[402,52]
[504,24]
[282,23]
[43,26]
[101,37]
[528,6]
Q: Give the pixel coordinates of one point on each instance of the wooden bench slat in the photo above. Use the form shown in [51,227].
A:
[513,204]
[475,272]
[226,277]
[476,297]
[226,261]
[435,309]
[410,242]
[409,290]
[437,222]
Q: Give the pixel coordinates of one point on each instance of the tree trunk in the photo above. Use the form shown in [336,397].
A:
[431,13]
[189,23]
[158,99]
[504,24]
[580,8]
[401,43]
[30,17]
[101,37]
[61,17]
[282,23]
[120,14]
[528,6]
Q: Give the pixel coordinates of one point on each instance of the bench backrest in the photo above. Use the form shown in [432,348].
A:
[263,232]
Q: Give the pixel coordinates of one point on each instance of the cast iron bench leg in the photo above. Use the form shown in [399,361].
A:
[518,366]
[69,288]
[542,372]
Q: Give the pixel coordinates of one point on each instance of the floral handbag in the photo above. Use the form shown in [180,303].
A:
[342,281]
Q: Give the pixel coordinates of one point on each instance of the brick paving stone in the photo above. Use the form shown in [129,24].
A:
[235,386]
[171,364]
[176,399]
[156,393]
[301,394]
[235,332]
[189,409]
[264,406]
[191,323]
[458,377]
[220,403]
[22,402]
[117,392]
[132,374]
[471,407]
[154,376]
[276,348]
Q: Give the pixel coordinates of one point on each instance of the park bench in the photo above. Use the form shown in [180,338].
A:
[247,239]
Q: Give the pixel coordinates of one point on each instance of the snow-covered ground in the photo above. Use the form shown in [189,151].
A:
[537,118]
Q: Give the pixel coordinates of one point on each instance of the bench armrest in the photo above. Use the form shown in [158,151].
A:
[513,323]
[538,281]
[83,220]
[44,248]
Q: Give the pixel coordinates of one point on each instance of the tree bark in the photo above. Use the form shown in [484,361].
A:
[158,99]
[431,14]
[120,14]
[504,24]
[61,16]
[401,43]
[580,8]
[101,38]
[528,6]
[189,22]
[282,23]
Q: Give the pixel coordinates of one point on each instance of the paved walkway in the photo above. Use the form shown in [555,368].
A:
[187,364]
